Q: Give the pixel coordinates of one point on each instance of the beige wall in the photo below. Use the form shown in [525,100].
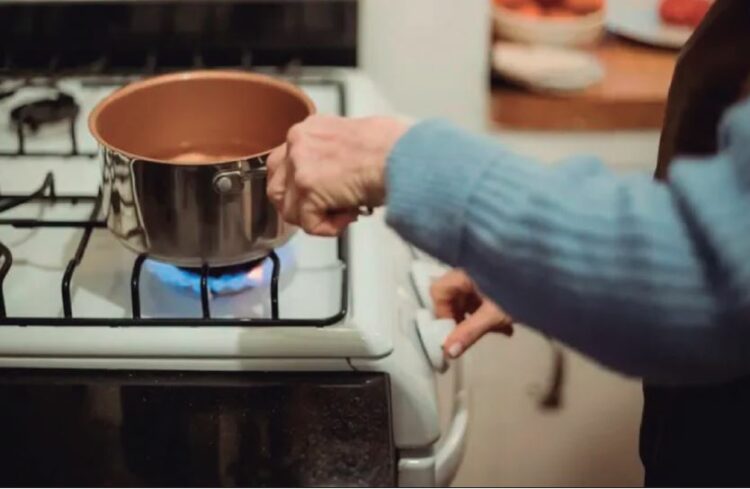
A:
[429,57]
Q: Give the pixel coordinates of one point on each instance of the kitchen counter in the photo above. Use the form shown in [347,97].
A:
[632,94]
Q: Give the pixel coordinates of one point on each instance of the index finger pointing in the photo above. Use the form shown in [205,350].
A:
[487,318]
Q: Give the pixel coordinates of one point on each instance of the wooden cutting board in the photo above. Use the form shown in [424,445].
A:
[632,95]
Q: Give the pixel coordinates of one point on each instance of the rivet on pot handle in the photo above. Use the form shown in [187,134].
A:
[230,181]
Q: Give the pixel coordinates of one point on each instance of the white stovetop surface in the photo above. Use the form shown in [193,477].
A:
[101,283]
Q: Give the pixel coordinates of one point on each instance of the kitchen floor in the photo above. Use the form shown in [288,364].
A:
[592,440]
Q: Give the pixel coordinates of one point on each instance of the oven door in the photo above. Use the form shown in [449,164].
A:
[105,428]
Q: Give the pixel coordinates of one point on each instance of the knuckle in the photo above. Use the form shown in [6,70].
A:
[304,179]
[274,195]
[307,223]
[298,154]
[296,132]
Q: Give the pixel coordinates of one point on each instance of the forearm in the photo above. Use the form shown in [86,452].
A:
[607,265]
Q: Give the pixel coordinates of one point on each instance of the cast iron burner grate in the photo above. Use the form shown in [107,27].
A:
[33,115]
[30,116]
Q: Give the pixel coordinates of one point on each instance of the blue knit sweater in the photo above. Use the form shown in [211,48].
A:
[650,279]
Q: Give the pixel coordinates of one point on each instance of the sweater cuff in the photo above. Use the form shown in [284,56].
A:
[431,174]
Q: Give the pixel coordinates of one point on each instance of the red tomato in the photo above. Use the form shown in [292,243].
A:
[584,6]
[530,10]
[700,9]
[684,12]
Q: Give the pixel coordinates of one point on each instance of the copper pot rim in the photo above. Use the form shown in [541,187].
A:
[190,75]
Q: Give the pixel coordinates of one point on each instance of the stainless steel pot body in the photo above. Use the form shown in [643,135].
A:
[191,197]
[191,215]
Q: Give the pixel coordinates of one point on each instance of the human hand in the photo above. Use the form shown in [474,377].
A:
[456,296]
[329,168]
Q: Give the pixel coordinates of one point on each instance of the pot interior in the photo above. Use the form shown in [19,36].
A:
[199,117]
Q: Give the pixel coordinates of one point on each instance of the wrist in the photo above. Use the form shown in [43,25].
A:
[389,131]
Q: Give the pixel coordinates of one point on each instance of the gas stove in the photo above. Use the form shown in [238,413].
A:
[78,308]
[318,365]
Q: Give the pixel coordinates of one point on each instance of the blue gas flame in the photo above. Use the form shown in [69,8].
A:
[257,276]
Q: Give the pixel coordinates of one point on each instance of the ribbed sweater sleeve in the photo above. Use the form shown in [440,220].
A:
[647,278]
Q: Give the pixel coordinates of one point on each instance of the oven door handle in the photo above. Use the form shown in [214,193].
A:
[451,449]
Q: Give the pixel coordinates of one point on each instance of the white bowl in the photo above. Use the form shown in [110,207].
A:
[553,31]
[546,68]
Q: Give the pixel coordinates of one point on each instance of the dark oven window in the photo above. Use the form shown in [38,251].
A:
[124,36]
[64,428]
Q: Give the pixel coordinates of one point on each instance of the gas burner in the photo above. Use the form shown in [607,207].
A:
[223,280]
[45,111]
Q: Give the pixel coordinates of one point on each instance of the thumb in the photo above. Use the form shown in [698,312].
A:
[487,318]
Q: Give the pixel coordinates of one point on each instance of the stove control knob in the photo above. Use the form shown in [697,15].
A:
[432,333]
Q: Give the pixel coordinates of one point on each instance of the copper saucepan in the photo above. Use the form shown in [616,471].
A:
[184,164]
